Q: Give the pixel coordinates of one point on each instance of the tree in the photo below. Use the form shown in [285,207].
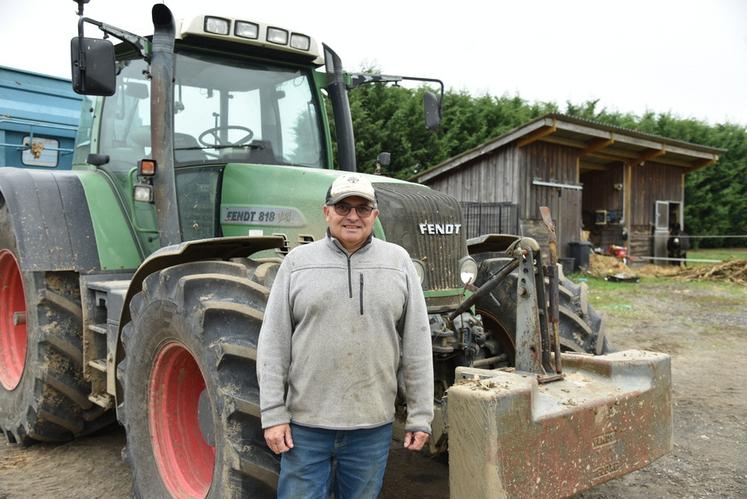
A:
[390,118]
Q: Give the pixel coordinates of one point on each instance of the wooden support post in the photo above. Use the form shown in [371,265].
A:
[627,198]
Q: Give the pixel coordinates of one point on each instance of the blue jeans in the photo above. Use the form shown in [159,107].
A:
[359,458]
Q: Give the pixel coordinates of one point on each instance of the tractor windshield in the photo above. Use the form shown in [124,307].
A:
[224,111]
[245,112]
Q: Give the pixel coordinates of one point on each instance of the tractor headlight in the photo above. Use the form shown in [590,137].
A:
[468,270]
[419,269]
[143,193]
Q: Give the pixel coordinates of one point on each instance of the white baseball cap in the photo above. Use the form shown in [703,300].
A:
[350,184]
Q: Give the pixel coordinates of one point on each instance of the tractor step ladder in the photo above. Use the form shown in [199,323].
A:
[102,304]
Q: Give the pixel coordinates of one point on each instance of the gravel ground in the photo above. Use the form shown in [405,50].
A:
[702,326]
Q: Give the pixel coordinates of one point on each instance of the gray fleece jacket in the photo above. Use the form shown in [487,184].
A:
[337,330]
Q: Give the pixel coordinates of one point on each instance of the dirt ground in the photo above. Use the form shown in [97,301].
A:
[702,325]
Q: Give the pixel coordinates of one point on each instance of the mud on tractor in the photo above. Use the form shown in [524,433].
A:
[133,286]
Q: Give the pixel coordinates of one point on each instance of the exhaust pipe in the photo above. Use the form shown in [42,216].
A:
[162,125]
[338,94]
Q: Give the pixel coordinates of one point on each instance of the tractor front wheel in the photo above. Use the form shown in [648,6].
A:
[191,398]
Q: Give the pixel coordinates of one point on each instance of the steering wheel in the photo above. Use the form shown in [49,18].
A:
[218,142]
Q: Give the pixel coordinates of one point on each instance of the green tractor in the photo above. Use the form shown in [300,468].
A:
[133,286]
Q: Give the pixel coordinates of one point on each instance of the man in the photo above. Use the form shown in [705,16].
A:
[345,315]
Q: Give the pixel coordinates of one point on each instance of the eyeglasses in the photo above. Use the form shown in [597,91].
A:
[363,211]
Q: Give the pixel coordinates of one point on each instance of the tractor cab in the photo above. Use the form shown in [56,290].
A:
[243,93]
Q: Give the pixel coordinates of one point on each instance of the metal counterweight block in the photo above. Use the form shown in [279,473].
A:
[510,436]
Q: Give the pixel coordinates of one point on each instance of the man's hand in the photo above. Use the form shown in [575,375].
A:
[279,438]
[415,440]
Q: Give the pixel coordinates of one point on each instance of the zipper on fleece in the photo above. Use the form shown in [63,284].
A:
[361,293]
[350,278]
[350,270]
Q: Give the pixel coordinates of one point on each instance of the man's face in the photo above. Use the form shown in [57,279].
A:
[351,230]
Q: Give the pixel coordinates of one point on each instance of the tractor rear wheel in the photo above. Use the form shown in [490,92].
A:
[43,395]
[191,397]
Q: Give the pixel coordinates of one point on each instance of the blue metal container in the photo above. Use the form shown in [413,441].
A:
[39,117]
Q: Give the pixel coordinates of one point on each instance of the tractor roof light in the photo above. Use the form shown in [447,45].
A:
[300,42]
[217,25]
[246,29]
[250,33]
[277,35]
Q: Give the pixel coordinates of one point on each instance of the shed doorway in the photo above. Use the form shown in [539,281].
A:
[602,205]
[668,217]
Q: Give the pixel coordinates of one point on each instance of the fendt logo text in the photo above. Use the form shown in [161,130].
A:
[438,229]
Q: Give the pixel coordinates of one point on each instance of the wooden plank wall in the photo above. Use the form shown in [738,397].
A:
[640,242]
[506,175]
[489,179]
[551,163]
[653,182]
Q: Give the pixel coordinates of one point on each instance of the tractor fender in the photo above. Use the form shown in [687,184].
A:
[500,243]
[189,251]
[50,220]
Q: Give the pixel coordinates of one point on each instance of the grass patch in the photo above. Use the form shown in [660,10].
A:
[717,254]
[618,297]
[609,295]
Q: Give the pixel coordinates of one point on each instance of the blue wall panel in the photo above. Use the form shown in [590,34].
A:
[39,106]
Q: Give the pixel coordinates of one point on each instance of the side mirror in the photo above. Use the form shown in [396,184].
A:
[92,65]
[432,108]
[384,159]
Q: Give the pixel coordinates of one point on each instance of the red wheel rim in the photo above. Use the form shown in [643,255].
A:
[185,461]
[13,341]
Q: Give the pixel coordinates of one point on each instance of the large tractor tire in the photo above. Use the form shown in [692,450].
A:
[43,395]
[580,326]
[191,397]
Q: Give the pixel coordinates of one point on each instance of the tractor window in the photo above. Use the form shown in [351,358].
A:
[234,111]
[297,107]
[125,123]
[85,128]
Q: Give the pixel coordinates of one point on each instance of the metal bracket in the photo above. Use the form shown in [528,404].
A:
[552,273]
[528,334]
[139,43]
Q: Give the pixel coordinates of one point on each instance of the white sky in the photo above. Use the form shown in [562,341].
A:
[684,56]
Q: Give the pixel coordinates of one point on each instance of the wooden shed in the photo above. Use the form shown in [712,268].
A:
[620,186]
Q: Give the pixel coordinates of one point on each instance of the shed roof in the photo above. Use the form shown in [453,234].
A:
[598,143]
